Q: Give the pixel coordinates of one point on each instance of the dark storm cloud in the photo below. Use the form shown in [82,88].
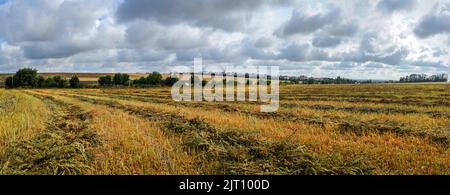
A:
[326,41]
[229,15]
[48,50]
[344,30]
[264,42]
[301,23]
[140,55]
[433,24]
[388,56]
[249,49]
[295,52]
[390,6]
[52,29]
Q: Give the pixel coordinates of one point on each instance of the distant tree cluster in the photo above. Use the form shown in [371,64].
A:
[338,80]
[248,81]
[311,80]
[105,81]
[117,80]
[29,78]
[415,78]
[121,79]
[153,79]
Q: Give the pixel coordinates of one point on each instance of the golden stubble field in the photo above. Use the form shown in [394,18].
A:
[319,129]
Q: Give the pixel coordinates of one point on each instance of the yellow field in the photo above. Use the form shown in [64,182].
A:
[319,129]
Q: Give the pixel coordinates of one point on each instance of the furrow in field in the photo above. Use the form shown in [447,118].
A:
[229,151]
[130,145]
[371,148]
[417,95]
[413,102]
[439,135]
[231,105]
[64,147]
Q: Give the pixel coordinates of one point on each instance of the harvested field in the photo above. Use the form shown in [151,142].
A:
[319,129]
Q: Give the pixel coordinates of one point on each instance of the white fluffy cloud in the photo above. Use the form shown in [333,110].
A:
[378,39]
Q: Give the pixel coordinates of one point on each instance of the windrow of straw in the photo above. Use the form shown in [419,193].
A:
[229,151]
[63,148]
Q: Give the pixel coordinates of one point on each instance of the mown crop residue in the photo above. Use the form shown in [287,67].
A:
[345,125]
[7,103]
[64,148]
[234,152]
[440,136]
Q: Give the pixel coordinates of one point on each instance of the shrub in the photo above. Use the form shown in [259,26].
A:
[50,82]
[140,81]
[154,79]
[105,80]
[60,81]
[121,79]
[169,81]
[41,82]
[75,82]
[9,82]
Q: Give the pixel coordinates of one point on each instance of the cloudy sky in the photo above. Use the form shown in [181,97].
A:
[361,39]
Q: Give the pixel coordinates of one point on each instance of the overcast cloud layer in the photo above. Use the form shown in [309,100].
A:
[361,39]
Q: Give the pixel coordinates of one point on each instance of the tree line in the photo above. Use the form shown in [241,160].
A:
[153,79]
[416,78]
[29,78]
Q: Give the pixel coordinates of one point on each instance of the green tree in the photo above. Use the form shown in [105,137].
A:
[50,82]
[141,81]
[170,81]
[154,79]
[25,77]
[60,81]
[121,79]
[9,83]
[105,80]
[41,82]
[75,82]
